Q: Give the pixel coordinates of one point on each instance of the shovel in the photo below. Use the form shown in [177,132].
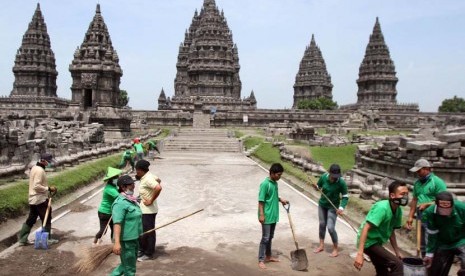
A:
[299,256]
[41,241]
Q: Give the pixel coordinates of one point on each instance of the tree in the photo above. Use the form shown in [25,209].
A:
[455,104]
[320,103]
[123,98]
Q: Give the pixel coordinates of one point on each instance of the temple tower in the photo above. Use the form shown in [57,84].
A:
[35,70]
[312,81]
[208,65]
[95,68]
[377,75]
[96,78]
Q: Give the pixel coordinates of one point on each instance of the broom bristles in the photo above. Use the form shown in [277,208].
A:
[93,258]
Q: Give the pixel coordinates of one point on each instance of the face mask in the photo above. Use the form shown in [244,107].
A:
[424,179]
[114,182]
[129,192]
[444,211]
[49,165]
[402,201]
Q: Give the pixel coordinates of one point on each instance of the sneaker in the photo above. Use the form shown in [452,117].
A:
[52,241]
[144,258]
[140,254]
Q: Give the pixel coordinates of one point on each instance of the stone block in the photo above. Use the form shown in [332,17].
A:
[417,145]
[404,140]
[390,145]
[451,153]
[452,137]
[455,145]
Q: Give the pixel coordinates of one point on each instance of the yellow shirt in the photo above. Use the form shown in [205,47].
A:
[147,183]
[38,187]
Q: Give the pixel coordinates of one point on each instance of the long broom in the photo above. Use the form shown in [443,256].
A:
[95,256]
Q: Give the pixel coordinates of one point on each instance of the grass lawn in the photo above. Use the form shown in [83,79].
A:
[15,197]
[342,155]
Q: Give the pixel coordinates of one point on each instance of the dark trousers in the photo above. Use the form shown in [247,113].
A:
[265,244]
[104,219]
[442,261]
[39,210]
[147,241]
[384,261]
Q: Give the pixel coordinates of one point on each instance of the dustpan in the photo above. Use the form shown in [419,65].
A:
[41,241]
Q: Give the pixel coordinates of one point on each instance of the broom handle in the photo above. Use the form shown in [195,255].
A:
[47,212]
[106,227]
[166,224]
[332,204]
[418,237]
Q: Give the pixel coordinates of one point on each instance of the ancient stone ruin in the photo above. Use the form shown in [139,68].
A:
[393,158]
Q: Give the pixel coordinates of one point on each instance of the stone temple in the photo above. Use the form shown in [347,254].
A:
[34,68]
[312,81]
[208,66]
[95,68]
[377,78]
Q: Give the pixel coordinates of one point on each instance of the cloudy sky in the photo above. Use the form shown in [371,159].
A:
[426,39]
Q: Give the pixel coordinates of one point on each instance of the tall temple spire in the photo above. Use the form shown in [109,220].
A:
[35,69]
[95,68]
[377,75]
[208,64]
[312,81]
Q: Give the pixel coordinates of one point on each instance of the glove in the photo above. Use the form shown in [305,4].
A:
[52,189]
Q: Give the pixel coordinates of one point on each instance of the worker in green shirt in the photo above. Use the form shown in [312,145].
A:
[334,188]
[268,213]
[425,190]
[445,225]
[127,219]
[127,157]
[139,149]
[110,193]
[378,227]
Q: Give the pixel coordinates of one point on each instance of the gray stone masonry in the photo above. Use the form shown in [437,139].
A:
[395,156]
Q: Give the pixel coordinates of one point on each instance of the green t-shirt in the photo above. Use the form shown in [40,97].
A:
[333,191]
[138,147]
[445,232]
[128,215]
[110,193]
[268,194]
[383,222]
[426,192]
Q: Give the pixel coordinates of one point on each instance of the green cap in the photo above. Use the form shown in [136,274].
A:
[112,172]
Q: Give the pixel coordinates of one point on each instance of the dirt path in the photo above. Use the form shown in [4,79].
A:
[221,240]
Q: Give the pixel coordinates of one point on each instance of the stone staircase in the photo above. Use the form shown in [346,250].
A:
[201,139]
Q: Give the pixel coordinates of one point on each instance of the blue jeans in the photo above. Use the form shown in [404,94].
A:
[265,243]
[327,218]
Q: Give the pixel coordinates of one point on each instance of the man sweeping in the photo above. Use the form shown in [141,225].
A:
[38,199]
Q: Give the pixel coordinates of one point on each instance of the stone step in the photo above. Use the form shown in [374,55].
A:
[197,139]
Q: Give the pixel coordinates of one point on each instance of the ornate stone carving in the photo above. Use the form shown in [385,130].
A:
[89,80]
